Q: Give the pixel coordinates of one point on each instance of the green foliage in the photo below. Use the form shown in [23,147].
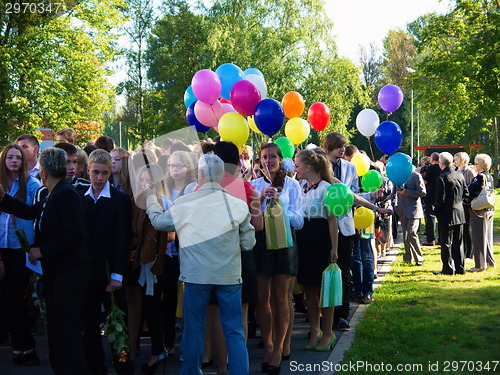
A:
[458,71]
[289,41]
[52,69]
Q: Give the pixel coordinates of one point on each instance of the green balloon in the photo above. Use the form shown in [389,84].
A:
[339,199]
[287,148]
[371,181]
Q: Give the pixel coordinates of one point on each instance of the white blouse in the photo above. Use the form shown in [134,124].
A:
[313,202]
[291,195]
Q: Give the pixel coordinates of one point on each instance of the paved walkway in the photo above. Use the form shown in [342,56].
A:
[298,357]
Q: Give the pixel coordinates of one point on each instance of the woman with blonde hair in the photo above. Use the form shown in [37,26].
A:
[14,275]
[317,244]
[120,178]
[461,160]
[481,221]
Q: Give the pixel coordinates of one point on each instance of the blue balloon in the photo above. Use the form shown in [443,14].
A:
[399,168]
[269,116]
[253,71]
[229,74]
[388,137]
[189,97]
[193,121]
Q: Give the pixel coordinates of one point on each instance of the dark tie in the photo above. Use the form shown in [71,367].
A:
[336,169]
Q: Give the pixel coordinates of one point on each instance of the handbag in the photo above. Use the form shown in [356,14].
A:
[485,199]
[277,226]
[331,286]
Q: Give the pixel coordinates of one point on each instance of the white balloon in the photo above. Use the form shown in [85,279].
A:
[367,121]
[259,82]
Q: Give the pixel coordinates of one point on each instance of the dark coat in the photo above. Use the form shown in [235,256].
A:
[108,232]
[59,228]
[451,190]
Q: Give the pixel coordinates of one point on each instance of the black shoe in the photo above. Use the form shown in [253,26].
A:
[264,367]
[147,369]
[343,325]
[274,370]
[285,357]
[29,358]
[207,364]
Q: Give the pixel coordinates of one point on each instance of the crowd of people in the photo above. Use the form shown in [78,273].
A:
[181,230]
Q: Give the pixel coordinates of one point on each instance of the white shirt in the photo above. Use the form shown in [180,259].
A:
[313,202]
[35,171]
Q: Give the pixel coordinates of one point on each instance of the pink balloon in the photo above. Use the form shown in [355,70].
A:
[208,114]
[228,107]
[206,86]
[244,97]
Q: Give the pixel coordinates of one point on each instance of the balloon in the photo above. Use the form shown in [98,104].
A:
[367,121]
[222,100]
[339,199]
[233,128]
[253,71]
[361,162]
[269,116]
[287,148]
[251,125]
[388,137]
[193,121]
[229,74]
[318,116]
[390,98]
[363,218]
[189,97]
[399,168]
[244,97]
[371,181]
[297,130]
[226,107]
[206,86]
[293,104]
[207,114]
[259,82]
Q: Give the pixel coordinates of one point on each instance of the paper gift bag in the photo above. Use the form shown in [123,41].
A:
[331,286]
[277,226]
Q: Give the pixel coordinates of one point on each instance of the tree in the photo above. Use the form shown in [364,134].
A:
[289,41]
[458,71]
[371,67]
[53,69]
[399,51]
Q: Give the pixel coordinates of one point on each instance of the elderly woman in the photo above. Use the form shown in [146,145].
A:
[461,160]
[481,221]
[59,229]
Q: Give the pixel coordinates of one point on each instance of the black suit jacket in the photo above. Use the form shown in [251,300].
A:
[108,232]
[450,191]
[59,228]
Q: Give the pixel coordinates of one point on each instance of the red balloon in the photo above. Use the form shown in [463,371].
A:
[222,100]
[318,116]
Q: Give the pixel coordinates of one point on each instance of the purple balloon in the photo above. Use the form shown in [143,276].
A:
[388,137]
[206,86]
[244,97]
[390,98]
[193,121]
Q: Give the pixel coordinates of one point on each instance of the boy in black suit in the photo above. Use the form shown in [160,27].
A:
[108,222]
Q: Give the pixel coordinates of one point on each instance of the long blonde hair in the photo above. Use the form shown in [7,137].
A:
[124,170]
[318,162]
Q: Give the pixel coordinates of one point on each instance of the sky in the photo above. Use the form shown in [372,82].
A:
[360,22]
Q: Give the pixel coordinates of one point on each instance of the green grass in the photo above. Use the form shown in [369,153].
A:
[421,318]
[496,218]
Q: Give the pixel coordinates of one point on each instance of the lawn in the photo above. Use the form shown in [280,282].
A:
[432,324]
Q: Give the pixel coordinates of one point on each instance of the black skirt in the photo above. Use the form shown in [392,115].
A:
[274,262]
[314,244]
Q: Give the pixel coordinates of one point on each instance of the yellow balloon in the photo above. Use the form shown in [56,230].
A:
[363,218]
[297,130]
[252,125]
[233,128]
[361,162]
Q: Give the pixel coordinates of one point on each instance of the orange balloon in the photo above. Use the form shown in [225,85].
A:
[293,104]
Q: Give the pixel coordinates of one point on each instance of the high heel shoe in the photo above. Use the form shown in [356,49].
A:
[264,367]
[313,346]
[147,369]
[327,347]
[274,370]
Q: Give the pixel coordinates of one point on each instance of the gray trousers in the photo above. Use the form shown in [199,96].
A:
[481,223]
[413,252]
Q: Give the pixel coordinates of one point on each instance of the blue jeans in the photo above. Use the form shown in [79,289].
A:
[196,297]
[362,266]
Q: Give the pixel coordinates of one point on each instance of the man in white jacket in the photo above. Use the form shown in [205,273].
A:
[213,228]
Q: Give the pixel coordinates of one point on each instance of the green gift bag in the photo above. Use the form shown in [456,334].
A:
[277,226]
[331,286]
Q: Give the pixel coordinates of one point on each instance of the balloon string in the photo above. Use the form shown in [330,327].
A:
[371,149]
